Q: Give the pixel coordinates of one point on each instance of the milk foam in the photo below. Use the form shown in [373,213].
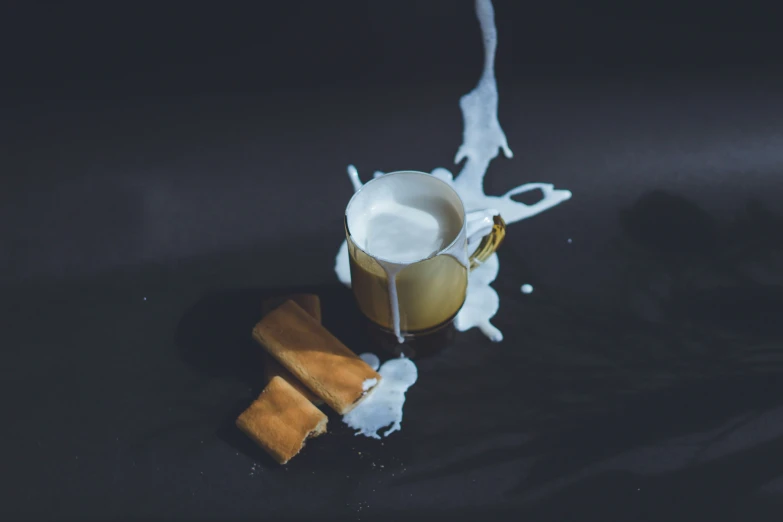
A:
[400,233]
[383,405]
[483,138]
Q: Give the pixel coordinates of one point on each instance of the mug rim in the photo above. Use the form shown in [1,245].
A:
[418,173]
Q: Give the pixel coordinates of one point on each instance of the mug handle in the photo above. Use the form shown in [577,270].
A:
[490,228]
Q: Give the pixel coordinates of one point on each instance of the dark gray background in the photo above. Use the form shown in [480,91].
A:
[194,154]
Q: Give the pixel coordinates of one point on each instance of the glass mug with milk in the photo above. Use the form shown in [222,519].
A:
[411,245]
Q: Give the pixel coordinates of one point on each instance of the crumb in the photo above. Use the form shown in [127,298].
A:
[569,240]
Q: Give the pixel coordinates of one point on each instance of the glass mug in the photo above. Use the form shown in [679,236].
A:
[411,245]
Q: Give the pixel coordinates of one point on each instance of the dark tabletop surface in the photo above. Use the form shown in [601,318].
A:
[166,166]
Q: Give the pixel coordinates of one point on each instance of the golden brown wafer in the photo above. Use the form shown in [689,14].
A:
[314,356]
[311,304]
[281,419]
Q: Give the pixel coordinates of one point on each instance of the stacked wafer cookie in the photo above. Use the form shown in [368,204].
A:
[305,365]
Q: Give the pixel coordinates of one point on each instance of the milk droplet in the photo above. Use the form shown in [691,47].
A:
[371,359]
[527,289]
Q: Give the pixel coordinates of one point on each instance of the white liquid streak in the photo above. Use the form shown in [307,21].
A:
[483,138]
[392,269]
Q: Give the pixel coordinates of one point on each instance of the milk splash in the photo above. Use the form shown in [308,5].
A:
[383,406]
[482,140]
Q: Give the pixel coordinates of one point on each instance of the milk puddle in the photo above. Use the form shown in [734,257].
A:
[383,406]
